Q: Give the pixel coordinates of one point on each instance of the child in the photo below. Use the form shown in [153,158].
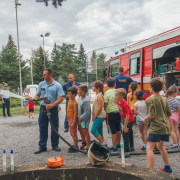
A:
[84,113]
[126,114]
[72,111]
[140,109]
[174,104]
[131,100]
[31,109]
[158,112]
[98,113]
[114,118]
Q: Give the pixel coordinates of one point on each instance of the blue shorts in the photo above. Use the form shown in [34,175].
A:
[25,102]
[158,137]
[141,122]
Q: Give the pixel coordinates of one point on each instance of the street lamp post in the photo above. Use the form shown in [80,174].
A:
[46,35]
[18,3]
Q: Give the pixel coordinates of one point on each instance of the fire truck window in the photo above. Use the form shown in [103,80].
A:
[113,70]
[134,64]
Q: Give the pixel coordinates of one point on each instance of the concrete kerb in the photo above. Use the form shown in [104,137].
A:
[110,170]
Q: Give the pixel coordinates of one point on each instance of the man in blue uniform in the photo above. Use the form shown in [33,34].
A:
[66,86]
[53,90]
[122,81]
[6,99]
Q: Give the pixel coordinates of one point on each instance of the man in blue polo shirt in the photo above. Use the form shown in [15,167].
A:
[122,81]
[6,99]
[53,90]
[66,86]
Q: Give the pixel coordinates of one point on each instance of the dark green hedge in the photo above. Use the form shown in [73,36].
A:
[15,102]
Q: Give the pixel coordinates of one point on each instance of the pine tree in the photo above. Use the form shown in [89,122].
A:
[9,68]
[38,65]
[65,62]
[83,63]
[11,44]
[55,62]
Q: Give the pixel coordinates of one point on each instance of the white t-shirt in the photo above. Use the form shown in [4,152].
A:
[141,110]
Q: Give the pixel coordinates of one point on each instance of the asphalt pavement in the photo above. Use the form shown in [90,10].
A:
[21,134]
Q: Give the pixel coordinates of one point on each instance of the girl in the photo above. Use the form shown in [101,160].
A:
[131,100]
[140,109]
[98,113]
[26,95]
[174,104]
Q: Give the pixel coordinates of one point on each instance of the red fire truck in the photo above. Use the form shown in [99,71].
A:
[157,56]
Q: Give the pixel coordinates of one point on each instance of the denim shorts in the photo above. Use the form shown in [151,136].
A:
[141,122]
[158,137]
[25,102]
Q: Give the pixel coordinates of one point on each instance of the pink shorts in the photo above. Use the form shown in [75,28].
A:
[73,131]
[174,118]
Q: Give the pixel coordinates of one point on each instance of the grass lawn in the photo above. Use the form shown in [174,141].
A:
[19,111]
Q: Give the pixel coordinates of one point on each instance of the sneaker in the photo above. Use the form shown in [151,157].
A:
[126,155]
[73,150]
[131,149]
[118,146]
[114,149]
[166,170]
[138,135]
[143,148]
[174,146]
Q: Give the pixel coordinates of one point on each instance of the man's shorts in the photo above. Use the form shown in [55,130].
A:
[73,131]
[141,122]
[31,110]
[84,125]
[25,102]
[114,122]
[174,118]
[158,137]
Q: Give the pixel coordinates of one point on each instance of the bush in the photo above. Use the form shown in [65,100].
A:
[16,102]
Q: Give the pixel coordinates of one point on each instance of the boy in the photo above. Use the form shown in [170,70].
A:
[31,109]
[114,118]
[126,114]
[72,111]
[84,113]
[159,113]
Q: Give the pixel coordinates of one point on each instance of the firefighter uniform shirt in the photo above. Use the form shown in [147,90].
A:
[123,81]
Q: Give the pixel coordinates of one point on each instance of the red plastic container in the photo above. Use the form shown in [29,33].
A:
[177,64]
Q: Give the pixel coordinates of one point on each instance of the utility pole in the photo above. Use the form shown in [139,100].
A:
[18,3]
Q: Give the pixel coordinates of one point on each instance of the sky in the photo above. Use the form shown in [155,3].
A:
[94,23]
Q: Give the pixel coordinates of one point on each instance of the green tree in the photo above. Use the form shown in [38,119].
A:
[101,63]
[92,67]
[38,64]
[9,68]
[11,44]
[65,61]
[55,3]
[83,63]
[55,62]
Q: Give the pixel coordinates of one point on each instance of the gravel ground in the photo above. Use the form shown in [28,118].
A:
[22,135]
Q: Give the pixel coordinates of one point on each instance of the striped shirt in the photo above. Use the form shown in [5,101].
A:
[174,104]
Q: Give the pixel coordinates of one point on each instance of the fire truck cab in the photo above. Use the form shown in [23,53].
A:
[157,56]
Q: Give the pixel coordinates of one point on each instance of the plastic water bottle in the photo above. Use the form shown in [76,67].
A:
[4,160]
[122,155]
[12,160]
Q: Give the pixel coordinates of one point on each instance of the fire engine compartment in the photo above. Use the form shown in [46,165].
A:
[167,68]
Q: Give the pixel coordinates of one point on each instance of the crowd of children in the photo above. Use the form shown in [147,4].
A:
[160,112]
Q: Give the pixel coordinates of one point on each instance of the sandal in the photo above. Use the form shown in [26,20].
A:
[83,145]
[86,150]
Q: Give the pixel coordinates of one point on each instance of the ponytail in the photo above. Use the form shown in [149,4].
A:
[133,87]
